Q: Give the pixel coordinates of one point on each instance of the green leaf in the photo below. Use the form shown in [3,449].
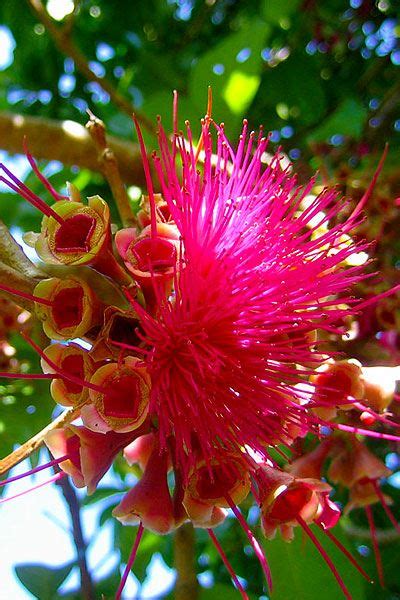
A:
[220,590]
[299,571]
[290,96]
[274,11]
[42,581]
[234,79]
[348,119]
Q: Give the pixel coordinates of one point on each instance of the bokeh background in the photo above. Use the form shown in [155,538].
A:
[324,79]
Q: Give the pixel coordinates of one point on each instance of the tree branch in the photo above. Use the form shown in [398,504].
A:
[109,166]
[186,587]
[64,43]
[87,588]
[69,142]
[37,440]
[17,281]
[12,255]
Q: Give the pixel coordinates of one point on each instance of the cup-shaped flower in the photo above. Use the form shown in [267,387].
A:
[162,211]
[337,383]
[78,237]
[285,499]
[364,493]
[71,307]
[352,462]
[151,257]
[310,465]
[120,328]
[72,360]
[149,501]
[123,403]
[219,482]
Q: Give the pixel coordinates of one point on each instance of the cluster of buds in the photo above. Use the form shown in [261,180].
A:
[192,342]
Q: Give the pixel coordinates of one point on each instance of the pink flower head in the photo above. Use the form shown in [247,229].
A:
[254,270]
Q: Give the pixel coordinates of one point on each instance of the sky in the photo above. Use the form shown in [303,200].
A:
[34,529]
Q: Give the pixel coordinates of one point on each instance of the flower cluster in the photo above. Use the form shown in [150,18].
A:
[206,331]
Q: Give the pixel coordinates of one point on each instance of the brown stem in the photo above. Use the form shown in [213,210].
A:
[68,142]
[186,587]
[18,281]
[36,441]
[64,43]
[109,166]
[13,256]
[87,588]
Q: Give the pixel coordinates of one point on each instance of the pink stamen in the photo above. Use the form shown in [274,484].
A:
[377,298]
[29,375]
[254,543]
[375,545]
[37,299]
[371,186]
[39,485]
[227,564]
[130,562]
[344,550]
[39,175]
[56,461]
[385,505]
[20,188]
[325,556]
[367,432]
[149,183]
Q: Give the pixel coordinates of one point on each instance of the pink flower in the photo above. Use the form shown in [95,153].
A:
[253,265]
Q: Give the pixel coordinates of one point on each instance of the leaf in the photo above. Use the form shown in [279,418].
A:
[348,119]
[298,570]
[220,590]
[302,96]
[274,12]
[233,69]
[42,581]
